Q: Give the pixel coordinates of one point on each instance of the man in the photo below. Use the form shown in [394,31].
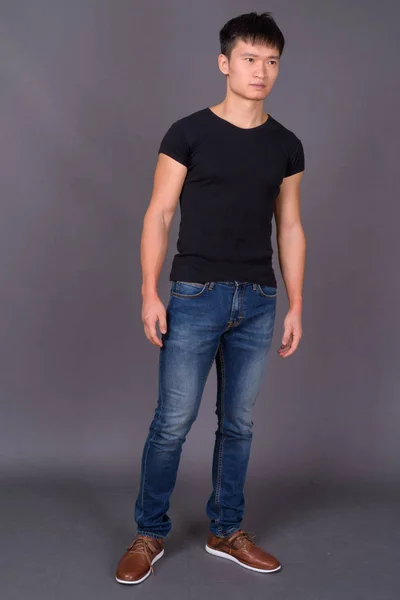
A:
[233,167]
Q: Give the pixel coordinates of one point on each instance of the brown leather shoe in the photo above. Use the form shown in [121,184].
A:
[239,547]
[137,563]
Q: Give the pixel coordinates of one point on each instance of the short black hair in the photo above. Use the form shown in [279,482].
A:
[251,28]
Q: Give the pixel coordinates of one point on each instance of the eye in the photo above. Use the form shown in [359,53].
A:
[249,58]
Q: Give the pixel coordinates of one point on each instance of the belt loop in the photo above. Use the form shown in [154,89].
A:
[254,286]
[211,285]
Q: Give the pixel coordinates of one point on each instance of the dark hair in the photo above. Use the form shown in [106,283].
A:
[251,28]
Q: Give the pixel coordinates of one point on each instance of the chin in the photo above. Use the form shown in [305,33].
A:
[261,94]
[262,91]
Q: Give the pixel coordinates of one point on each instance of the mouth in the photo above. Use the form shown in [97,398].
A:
[258,85]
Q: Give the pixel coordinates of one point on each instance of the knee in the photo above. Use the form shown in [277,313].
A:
[172,431]
[241,428]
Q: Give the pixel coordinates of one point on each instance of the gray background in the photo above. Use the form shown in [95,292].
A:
[88,88]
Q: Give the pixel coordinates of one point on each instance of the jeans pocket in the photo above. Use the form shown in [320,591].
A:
[267,291]
[188,289]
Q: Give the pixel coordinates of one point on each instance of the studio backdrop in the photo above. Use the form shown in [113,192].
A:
[88,89]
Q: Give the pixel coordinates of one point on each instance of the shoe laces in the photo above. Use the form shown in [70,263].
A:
[245,539]
[141,545]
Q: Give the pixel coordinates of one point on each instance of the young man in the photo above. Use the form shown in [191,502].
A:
[233,167]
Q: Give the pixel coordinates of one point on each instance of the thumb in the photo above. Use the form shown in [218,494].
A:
[163,324]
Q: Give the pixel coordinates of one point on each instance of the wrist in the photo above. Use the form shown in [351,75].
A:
[296,303]
[149,291]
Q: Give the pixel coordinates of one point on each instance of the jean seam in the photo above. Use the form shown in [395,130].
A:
[148,534]
[148,448]
[151,439]
[220,454]
[229,532]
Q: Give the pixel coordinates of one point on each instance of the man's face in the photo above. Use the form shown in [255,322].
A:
[250,65]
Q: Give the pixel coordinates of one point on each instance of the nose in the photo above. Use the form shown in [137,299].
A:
[261,72]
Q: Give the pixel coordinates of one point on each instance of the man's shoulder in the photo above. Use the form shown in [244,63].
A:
[193,118]
[286,133]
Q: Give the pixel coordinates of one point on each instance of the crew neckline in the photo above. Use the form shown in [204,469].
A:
[256,128]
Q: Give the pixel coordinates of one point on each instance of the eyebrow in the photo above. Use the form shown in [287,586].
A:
[255,55]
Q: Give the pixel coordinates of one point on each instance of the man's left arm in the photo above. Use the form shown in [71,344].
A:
[291,242]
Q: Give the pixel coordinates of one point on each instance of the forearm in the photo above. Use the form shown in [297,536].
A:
[292,252]
[153,248]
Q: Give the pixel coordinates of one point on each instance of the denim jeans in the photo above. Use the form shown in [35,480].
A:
[231,322]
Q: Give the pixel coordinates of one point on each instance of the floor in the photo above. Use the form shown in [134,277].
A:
[62,536]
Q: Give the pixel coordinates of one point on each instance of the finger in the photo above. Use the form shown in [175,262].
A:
[284,353]
[162,323]
[290,351]
[293,346]
[284,349]
[152,335]
[286,340]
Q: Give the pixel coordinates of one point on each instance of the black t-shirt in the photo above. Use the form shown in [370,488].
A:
[227,199]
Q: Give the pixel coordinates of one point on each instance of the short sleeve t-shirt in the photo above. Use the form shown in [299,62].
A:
[227,199]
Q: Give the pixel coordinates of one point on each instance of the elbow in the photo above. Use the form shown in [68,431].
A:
[291,228]
[158,215]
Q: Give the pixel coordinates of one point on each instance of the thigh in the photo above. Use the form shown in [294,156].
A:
[242,357]
[189,346]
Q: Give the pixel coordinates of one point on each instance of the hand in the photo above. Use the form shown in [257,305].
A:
[153,310]
[292,333]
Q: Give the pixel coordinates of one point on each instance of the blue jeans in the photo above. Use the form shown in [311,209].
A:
[231,322]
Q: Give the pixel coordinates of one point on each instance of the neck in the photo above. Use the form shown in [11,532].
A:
[245,114]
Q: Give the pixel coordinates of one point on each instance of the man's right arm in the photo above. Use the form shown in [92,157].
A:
[169,177]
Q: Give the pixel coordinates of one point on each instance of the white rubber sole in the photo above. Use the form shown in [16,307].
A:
[230,557]
[155,559]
